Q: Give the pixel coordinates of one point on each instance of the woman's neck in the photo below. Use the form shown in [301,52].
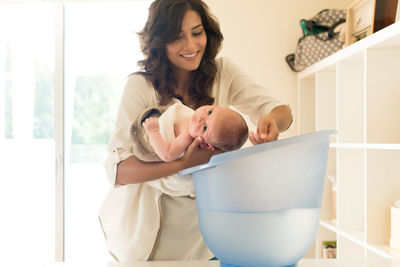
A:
[183,79]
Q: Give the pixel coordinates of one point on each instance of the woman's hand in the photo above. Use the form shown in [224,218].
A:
[267,130]
[195,155]
[269,126]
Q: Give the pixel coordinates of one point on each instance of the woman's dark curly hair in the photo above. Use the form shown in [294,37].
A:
[162,27]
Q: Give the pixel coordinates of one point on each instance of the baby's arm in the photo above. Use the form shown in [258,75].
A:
[167,152]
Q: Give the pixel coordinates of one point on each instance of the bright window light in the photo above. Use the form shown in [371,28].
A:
[101,50]
[27,164]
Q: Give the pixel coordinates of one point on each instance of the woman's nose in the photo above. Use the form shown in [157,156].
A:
[188,42]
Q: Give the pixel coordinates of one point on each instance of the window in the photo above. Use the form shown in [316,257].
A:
[100,49]
[99,54]
[26,132]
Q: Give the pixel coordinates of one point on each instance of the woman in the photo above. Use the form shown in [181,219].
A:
[150,214]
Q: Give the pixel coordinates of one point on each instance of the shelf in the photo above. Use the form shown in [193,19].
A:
[356,236]
[350,188]
[325,100]
[388,37]
[384,250]
[349,248]
[382,95]
[329,224]
[306,104]
[350,95]
[382,188]
[357,92]
[323,235]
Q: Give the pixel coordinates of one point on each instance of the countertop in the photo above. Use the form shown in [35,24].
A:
[301,263]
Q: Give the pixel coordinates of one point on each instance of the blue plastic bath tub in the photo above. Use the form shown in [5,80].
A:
[260,206]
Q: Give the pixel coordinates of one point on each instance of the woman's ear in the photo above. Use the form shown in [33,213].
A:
[207,146]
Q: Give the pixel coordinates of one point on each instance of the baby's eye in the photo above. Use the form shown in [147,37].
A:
[204,128]
[210,111]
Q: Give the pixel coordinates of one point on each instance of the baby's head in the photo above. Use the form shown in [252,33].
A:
[219,127]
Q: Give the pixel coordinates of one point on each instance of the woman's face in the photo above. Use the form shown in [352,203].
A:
[186,52]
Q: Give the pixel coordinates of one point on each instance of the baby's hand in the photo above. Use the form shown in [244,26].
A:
[151,125]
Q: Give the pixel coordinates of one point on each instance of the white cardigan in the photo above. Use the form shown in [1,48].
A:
[131,214]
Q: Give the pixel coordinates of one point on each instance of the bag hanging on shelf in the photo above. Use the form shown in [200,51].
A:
[320,39]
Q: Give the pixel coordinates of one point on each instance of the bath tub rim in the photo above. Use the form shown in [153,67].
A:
[244,152]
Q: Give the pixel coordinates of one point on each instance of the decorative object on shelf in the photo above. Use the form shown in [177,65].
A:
[329,249]
[360,19]
[320,38]
[365,17]
[385,14]
[395,226]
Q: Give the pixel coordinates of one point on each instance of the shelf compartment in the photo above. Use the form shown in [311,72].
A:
[382,189]
[383,95]
[325,100]
[306,105]
[329,224]
[327,197]
[323,235]
[350,188]
[347,249]
[381,251]
[350,95]
[354,235]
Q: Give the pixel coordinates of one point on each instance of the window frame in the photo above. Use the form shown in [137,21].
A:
[59,134]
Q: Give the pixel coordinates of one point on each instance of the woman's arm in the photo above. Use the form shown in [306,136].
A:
[132,170]
[271,115]
[283,117]
[270,125]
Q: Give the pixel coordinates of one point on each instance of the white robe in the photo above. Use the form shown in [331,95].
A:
[132,215]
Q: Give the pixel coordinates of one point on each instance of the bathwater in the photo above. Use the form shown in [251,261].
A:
[277,238]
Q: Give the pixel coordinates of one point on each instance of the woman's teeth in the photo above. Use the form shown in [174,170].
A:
[189,56]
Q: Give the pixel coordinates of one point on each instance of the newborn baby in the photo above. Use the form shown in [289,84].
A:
[218,127]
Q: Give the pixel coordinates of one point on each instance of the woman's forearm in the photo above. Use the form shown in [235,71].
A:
[132,170]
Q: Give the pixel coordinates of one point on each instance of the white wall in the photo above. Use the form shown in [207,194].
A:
[260,33]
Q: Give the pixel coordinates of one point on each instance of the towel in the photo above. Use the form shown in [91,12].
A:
[167,118]
[143,150]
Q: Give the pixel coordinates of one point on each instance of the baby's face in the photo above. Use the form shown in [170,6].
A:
[206,122]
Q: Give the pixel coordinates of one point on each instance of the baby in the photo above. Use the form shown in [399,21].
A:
[218,127]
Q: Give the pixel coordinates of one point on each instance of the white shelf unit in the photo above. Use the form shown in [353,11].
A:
[357,92]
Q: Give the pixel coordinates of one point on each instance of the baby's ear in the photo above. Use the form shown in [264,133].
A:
[207,146]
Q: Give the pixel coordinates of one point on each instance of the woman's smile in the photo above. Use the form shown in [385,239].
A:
[190,57]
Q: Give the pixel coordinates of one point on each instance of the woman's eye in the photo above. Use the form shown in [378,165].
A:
[197,33]
[210,111]
[204,128]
